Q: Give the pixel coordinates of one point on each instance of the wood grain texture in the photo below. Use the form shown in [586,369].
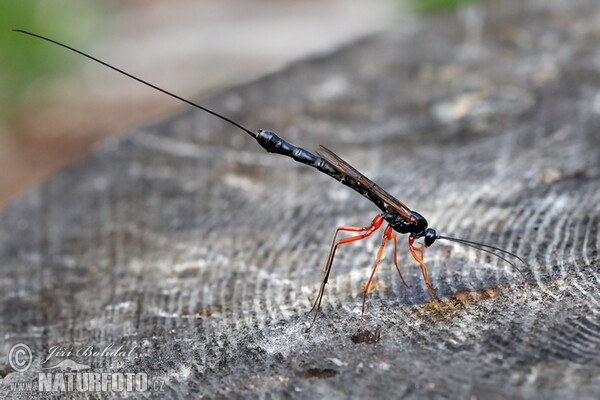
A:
[187,240]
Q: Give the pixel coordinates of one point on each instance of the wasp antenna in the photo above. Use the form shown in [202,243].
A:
[224,118]
[484,247]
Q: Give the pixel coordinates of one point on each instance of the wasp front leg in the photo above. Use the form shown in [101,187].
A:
[414,250]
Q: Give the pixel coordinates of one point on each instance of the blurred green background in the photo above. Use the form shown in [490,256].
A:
[434,6]
[55,105]
[25,64]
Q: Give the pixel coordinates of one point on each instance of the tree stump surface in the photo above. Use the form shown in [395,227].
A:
[190,246]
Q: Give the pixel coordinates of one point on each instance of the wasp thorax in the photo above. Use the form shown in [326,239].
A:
[415,225]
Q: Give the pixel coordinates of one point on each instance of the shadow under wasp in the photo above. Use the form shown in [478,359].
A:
[399,218]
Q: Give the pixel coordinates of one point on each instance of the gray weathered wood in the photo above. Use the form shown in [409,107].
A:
[186,239]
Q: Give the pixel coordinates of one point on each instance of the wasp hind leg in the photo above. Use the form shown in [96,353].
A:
[375,224]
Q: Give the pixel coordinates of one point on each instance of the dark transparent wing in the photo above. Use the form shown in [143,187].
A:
[344,167]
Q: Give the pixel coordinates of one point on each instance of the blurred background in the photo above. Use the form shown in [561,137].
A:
[55,105]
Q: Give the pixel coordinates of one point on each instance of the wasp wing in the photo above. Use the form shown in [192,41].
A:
[345,168]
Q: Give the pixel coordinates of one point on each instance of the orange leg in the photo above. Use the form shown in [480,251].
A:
[413,250]
[375,224]
[396,260]
[386,237]
[420,250]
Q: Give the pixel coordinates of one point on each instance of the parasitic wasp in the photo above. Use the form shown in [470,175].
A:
[399,218]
